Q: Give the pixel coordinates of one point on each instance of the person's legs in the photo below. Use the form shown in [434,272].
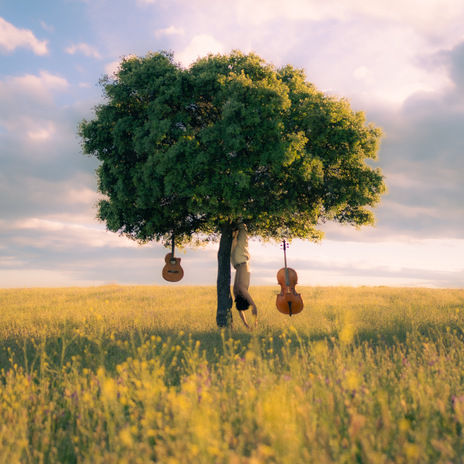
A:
[241,284]
[242,280]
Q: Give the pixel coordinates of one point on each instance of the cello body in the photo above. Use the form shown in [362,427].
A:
[288,300]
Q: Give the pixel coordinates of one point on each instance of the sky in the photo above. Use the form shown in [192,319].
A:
[402,63]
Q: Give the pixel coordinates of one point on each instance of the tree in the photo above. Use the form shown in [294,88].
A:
[192,151]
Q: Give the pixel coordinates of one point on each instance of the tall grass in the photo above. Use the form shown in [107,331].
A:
[142,374]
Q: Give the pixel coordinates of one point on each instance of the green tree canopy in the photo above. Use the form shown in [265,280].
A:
[192,151]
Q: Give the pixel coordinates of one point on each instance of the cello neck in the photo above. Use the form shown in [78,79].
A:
[287,279]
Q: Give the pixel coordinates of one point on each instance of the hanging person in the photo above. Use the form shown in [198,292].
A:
[239,257]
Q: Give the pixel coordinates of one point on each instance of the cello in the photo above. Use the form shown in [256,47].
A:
[172,270]
[288,300]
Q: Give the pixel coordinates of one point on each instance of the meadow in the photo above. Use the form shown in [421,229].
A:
[142,374]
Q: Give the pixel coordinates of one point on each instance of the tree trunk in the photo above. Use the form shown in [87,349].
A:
[224,297]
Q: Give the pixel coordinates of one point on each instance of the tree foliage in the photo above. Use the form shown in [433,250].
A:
[231,137]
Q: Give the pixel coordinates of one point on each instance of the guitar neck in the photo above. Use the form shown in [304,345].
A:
[172,247]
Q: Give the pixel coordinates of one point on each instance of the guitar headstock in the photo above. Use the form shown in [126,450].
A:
[284,245]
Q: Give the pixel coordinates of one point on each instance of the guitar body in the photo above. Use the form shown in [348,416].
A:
[288,300]
[172,271]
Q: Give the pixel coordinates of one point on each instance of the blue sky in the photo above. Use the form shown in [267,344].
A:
[400,62]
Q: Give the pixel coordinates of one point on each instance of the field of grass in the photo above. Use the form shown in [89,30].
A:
[142,374]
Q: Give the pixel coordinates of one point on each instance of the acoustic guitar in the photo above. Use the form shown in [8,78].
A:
[172,270]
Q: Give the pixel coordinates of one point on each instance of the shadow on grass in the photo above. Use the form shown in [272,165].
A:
[55,354]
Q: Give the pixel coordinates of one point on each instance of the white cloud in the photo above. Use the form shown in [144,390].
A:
[26,103]
[42,133]
[31,87]
[112,68]
[53,234]
[359,48]
[45,80]
[10,262]
[429,16]
[39,277]
[11,38]
[47,27]
[169,31]
[200,45]
[147,2]
[362,72]
[381,60]
[86,49]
